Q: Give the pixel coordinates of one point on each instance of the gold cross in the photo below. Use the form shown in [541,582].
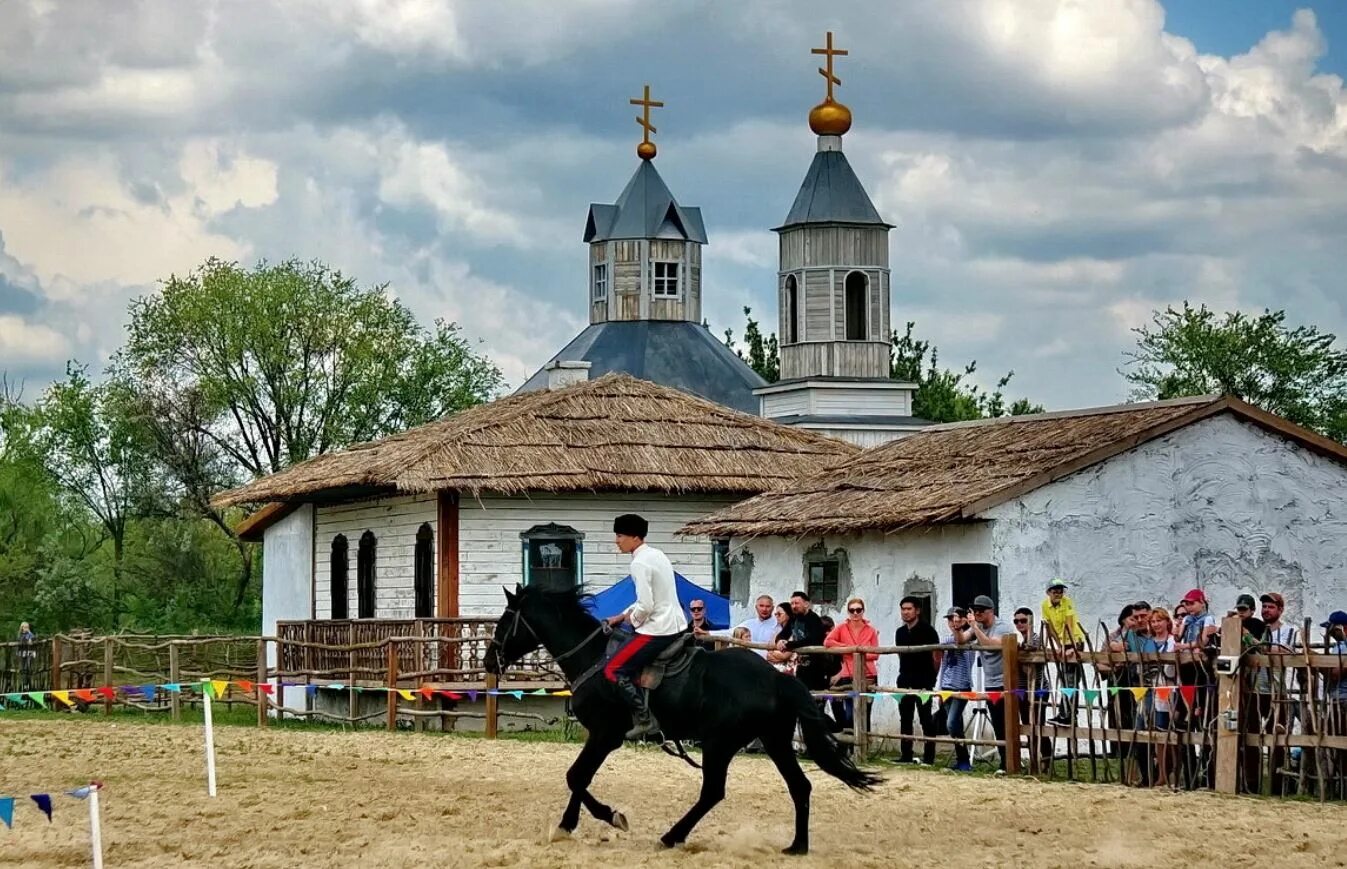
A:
[828,72]
[644,120]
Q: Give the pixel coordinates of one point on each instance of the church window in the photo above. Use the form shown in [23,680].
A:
[720,567]
[365,576]
[666,280]
[339,569]
[857,304]
[554,556]
[601,282]
[792,310]
[424,568]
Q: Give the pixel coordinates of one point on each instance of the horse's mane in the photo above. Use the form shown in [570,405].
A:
[572,602]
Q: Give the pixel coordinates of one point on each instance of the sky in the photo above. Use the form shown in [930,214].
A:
[1055,169]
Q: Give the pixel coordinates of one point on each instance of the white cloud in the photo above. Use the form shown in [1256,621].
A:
[22,342]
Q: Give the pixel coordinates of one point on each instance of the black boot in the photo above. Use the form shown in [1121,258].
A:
[642,722]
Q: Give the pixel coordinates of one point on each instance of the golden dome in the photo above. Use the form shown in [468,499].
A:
[829,118]
[646,150]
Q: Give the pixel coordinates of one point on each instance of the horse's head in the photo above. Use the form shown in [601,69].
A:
[514,637]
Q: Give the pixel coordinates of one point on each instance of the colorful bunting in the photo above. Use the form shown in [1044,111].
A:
[244,685]
[63,696]
[85,695]
[1189,694]
[1091,696]
[7,811]
[36,697]
[44,803]
[405,693]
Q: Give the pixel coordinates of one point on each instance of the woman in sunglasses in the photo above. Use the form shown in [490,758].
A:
[855,631]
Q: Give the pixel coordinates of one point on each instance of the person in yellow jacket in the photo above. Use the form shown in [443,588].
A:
[1066,634]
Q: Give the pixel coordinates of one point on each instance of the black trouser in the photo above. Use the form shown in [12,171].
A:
[908,704]
[996,710]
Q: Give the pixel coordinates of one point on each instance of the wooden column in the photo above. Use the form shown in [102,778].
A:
[392,685]
[260,685]
[491,705]
[446,532]
[859,684]
[107,673]
[1227,711]
[55,663]
[1010,703]
[174,670]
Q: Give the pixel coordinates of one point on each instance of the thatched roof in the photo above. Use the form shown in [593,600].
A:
[613,433]
[952,473]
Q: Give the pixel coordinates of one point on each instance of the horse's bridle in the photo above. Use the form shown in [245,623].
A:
[519,619]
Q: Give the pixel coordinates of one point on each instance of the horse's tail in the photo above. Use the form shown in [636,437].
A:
[822,746]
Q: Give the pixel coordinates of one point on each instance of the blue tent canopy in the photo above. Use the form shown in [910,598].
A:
[612,601]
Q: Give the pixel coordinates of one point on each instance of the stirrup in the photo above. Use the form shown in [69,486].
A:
[642,727]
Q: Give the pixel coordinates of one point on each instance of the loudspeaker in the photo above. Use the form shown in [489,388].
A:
[971,580]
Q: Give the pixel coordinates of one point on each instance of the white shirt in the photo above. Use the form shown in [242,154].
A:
[762,631]
[657,611]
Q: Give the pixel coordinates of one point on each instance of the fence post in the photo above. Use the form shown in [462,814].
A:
[860,707]
[260,685]
[1229,738]
[1010,701]
[107,674]
[174,671]
[56,663]
[491,705]
[392,684]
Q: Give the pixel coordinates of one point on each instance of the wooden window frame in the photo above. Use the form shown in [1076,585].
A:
[657,280]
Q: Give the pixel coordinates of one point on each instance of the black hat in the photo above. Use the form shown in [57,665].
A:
[631,525]
[1246,600]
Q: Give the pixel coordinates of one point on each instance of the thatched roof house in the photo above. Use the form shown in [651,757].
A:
[954,472]
[615,433]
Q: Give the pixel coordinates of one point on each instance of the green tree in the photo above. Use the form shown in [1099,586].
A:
[763,354]
[943,394]
[1298,373]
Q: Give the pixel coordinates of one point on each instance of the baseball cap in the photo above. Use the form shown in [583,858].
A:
[953,611]
[982,602]
[1195,595]
[1337,617]
[1245,600]
[1056,583]
[1273,597]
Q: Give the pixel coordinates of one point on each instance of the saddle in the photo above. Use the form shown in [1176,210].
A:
[670,663]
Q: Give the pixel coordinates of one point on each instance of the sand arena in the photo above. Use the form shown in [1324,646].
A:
[313,798]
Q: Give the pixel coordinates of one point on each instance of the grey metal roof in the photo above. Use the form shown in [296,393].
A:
[646,209]
[680,354]
[852,419]
[831,193]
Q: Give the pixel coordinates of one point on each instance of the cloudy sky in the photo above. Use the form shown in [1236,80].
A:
[1055,169]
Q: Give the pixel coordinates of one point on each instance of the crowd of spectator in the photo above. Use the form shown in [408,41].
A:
[943,664]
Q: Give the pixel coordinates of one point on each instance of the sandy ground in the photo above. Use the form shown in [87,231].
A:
[303,798]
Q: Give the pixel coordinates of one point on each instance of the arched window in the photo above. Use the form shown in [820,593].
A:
[792,310]
[857,305]
[339,568]
[424,567]
[364,576]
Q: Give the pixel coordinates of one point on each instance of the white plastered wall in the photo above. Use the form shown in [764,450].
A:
[287,580]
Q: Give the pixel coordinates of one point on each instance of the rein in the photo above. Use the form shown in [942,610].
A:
[520,620]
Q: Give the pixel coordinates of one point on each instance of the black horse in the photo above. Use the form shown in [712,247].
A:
[726,699]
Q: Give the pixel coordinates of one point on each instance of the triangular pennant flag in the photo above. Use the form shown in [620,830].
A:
[357,689]
[220,688]
[44,803]
[405,693]
[63,696]
[108,692]
[335,686]
[1068,693]
[174,687]
[450,695]
[84,694]
[13,698]
[970,695]
[244,685]
[427,692]
[36,697]
[83,793]
[1164,692]
[311,690]
[148,691]
[472,696]
[1140,693]
[994,696]
[945,695]
[924,697]
[1091,696]
[518,695]
[266,688]
[1189,694]
[7,811]
[1042,692]
[563,693]
[541,692]
[1114,689]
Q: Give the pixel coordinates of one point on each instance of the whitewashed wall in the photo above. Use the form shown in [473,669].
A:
[1221,504]
[287,587]
[489,546]
[394,522]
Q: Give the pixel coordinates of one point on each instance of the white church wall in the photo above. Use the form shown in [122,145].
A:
[394,522]
[1221,504]
[489,546]
[287,584]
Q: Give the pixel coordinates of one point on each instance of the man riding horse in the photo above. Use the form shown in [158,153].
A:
[656,616]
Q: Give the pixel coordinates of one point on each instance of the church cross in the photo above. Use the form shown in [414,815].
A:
[827,72]
[644,120]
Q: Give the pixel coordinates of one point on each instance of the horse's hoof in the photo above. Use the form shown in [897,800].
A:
[796,850]
[620,821]
[667,842]
[560,834]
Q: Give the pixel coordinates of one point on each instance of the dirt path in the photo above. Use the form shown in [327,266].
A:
[302,798]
